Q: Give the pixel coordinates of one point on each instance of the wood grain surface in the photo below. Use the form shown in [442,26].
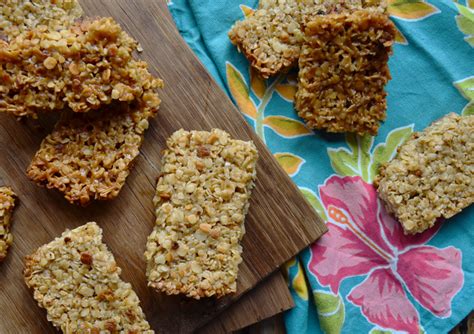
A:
[269,298]
[280,222]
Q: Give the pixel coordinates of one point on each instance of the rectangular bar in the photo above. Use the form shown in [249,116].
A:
[271,36]
[76,279]
[201,201]
[432,175]
[85,67]
[7,205]
[343,72]
[88,156]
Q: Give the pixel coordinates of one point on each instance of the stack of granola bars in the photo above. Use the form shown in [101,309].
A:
[86,71]
[341,48]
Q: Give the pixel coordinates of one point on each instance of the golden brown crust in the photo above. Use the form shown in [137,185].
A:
[7,205]
[18,16]
[272,36]
[201,201]
[343,72]
[84,67]
[432,175]
[83,297]
[89,156]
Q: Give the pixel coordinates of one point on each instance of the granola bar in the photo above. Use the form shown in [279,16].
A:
[17,16]
[343,72]
[272,36]
[432,175]
[7,205]
[84,67]
[201,201]
[76,279]
[89,156]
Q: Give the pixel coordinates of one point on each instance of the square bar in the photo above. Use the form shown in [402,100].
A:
[343,72]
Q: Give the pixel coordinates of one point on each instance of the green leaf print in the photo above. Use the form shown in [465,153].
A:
[465,23]
[359,160]
[331,311]
[466,88]
[469,109]
[314,201]
[354,161]
[384,152]
[343,162]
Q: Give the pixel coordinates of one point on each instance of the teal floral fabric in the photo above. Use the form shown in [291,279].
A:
[364,275]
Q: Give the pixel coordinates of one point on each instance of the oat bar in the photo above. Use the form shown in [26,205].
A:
[432,175]
[343,72]
[272,36]
[7,205]
[84,67]
[202,197]
[76,279]
[89,156]
[17,16]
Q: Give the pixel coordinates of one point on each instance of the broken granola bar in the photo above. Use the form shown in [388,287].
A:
[88,156]
[343,72]
[272,36]
[7,205]
[201,201]
[432,175]
[84,67]
[76,279]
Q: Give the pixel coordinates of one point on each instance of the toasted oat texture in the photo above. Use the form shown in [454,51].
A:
[17,16]
[343,72]
[89,156]
[7,205]
[76,279]
[432,175]
[201,201]
[84,67]
[272,36]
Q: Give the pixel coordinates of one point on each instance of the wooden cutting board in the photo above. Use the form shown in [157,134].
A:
[267,299]
[280,222]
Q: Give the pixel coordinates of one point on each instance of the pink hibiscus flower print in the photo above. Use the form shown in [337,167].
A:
[363,239]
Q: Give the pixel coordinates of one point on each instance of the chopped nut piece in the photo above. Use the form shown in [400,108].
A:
[193,249]
[79,71]
[86,258]
[7,205]
[17,16]
[96,155]
[432,175]
[343,71]
[203,152]
[83,299]
[272,36]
